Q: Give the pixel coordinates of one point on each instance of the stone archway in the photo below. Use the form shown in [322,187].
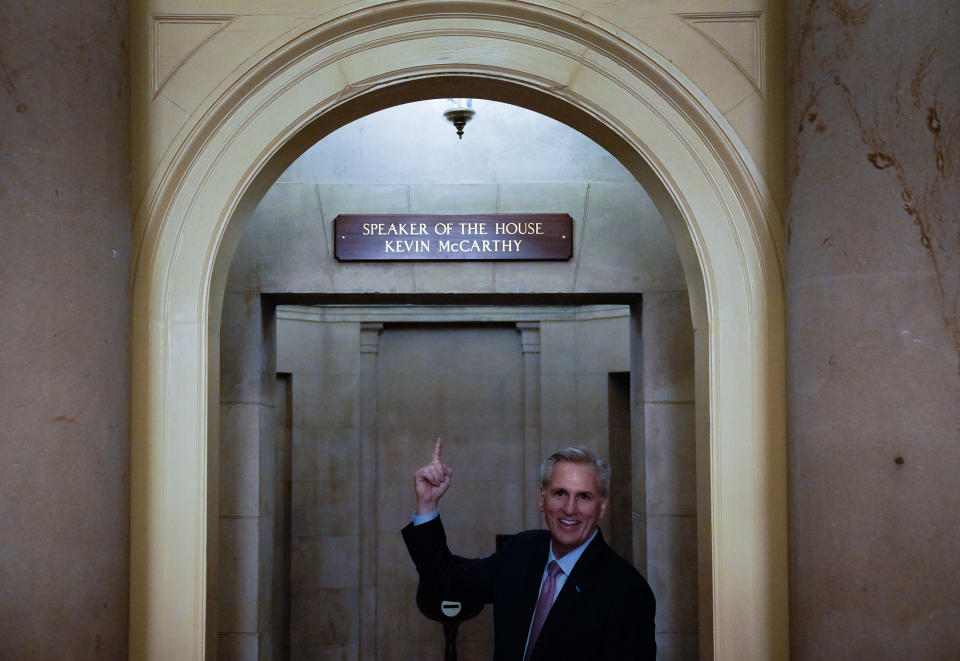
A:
[618,93]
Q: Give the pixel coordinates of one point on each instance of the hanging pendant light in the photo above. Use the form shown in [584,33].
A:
[459,112]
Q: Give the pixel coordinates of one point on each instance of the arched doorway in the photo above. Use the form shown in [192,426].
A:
[626,99]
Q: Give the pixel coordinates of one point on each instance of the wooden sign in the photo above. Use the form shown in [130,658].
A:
[526,236]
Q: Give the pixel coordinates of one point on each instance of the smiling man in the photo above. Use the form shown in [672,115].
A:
[558,594]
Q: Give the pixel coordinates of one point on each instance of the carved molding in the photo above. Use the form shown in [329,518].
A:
[175,37]
[738,35]
[530,335]
[729,236]
[370,337]
[413,314]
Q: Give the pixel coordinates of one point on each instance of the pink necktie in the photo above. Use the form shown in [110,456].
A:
[544,602]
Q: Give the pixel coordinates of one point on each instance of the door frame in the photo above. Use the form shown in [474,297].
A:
[340,66]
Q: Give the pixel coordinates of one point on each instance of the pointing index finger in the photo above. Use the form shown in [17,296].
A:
[438,450]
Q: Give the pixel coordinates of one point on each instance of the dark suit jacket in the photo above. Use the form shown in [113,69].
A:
[603,613]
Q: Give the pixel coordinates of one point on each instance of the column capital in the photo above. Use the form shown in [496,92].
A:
[529,336]
[370,337]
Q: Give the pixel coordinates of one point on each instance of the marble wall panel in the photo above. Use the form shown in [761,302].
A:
[325,618]
[240,459]
[325,400]
[476,638]
[296,342]
[453,199]
[242,340]
[620,225]
[559,404]
[248,475]
[433,278]
[494,508]
[558,411]
[275,635]
[270,454]
[326,561]
[671,458]
[591,397]
[303,274]
[541,197]
[406,631]
[668,331]
[602,345]
[348,652]
[576,358]
[238,574]
[558,345]
[499,451]
[266,583]
[672,571]
[670,470]
[237,647]
[289,227]
[412,142]
[325,454]
[394,567]
[462,198]
[398,651]
[677,645]
[362,196]
[307,392]
[873,266]
[339,347]
[324,507]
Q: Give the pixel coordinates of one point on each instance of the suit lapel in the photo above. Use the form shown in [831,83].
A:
[531,581]
[577,589]
[524,579]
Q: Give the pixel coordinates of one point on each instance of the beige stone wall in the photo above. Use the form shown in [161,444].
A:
[253,469]
[871,544]
[408,160]
[64,330]
[473,397]
[402,160]
[670,467]
[323,361]
[571,65]
[382,388]
[873,274]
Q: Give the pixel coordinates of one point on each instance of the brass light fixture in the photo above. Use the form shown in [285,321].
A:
[460,112]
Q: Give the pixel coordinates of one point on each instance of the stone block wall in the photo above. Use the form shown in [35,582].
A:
[873,294]
[64,330]
[873,374]
[670,469]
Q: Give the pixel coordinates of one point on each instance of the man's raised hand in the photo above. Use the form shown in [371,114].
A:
[432,481]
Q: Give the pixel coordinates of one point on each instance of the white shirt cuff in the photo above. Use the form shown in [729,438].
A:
[425,518]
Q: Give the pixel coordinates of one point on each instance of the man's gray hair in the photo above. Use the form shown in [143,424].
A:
[577,455]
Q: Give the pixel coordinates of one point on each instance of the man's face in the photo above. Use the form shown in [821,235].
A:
[572,505]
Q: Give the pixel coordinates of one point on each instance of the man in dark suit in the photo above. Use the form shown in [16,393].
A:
[558,594]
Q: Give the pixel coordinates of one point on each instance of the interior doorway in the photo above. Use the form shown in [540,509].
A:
[371,381]
[654,120]
[368,386]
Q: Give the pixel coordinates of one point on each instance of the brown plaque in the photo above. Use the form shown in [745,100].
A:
[500,236]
